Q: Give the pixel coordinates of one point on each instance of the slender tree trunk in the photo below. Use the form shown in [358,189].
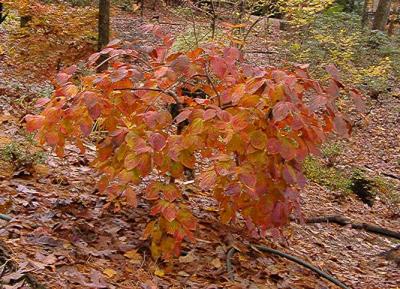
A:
[104,30]
[394,20]
[382,15]
[104,23]
[364,20]
[351,5]
[2,17]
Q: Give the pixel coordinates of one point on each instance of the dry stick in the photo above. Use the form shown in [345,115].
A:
[360,226]
[287,256]
[194,29]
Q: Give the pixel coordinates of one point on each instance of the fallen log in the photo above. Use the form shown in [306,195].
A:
[337,219]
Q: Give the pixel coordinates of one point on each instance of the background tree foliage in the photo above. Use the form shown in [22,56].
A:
[54,35]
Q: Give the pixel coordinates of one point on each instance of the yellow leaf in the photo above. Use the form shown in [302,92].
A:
[41,169]
[134,256]
[109,272]
[135,7]
[216,263]
[159,272]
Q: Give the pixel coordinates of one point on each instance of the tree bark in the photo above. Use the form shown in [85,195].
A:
[104,30]
[364,20]
[382,15]
[1,13]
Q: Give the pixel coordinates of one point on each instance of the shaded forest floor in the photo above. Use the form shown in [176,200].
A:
[61,236]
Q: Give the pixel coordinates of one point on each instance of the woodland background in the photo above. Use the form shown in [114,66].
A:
[60,228]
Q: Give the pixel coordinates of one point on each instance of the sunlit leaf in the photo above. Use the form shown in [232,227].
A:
[34,122]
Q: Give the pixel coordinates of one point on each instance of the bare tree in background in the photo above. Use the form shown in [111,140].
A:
[2,17]
[104,30]
[365,11]
[382,15]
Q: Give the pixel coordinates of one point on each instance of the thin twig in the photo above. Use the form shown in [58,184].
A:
[213,86]
[249,31]
[194,29]
[106,60]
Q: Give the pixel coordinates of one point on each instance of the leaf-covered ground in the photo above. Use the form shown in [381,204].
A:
[62,237]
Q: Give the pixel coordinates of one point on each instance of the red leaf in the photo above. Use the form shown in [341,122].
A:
[207,180]
[281,110]
[358,101]
[183,116]
[209,114]
[224,115]
[34,122]
[218,66]
[317,102]
[232,189]
[187,159]
[118,136]
[71,69]
[240,121]
[226,97]
[248,179]
[341,126]
[42,101]
[171,192]
[254,85]
[238,92]
[52,138]
[157,208]
[62,78]
[90,98]
[333,89]
[273,145]
[181,64]
[86,127]
[232,53]
[187,220]
[157,141]
[119,74]
[131,197]
[153,191]
[169,212]
[333,71]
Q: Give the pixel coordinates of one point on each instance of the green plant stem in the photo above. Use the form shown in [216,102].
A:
[5,217]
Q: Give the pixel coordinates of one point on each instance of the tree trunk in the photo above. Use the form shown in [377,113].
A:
[350,6]
[104,30]
[1,13]
[364,20]
[382,15]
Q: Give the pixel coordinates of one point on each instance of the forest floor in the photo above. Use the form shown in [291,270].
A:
[61,237]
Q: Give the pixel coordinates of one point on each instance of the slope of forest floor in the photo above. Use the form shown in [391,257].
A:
[61,237]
